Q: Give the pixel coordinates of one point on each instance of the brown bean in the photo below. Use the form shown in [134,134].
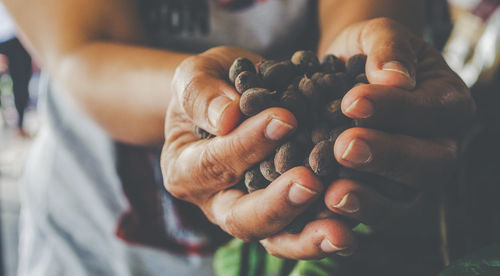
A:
[332,64]
[255,100]
[254,180]
[246,80]
[239,65]
[322,160]
[306,62]
[356,65]
[288,155]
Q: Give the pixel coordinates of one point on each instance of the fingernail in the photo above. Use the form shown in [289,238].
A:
[357,152]
[396,66]
[277,130]
[348,204]
[328,247]
[216,108]
[299,194]
[360,108]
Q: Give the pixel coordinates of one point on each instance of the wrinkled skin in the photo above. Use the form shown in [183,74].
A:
[418,98]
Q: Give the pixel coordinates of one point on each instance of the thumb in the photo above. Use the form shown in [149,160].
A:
[391,58]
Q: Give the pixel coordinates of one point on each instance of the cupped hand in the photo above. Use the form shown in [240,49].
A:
[204,172]
[413,114]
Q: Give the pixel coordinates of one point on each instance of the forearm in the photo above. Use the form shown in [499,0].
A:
[92,50]
[336,15]
[124,88]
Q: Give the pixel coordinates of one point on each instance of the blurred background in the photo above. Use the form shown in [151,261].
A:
[471,46]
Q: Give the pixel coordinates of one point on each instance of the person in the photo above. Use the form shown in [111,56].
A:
[19,65]
[94,207]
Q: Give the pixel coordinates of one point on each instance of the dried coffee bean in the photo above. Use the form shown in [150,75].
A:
[361,78]
[246,80]
[333,113]
[310,87]
[306,62]
[319,134]
[335,133]
[201,133]
[288,155]
[332,64]
[239,65]
[356,65]
[254,100]
[322,160]
[277,75]
[268,170]
[334,86]
[254,180]
[292,100]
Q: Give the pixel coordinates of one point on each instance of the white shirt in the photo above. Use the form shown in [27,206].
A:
[7,27]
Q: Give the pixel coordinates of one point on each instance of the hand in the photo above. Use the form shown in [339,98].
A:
[422,105]
[204,172]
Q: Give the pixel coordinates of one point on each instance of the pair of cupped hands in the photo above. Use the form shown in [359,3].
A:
[412,92]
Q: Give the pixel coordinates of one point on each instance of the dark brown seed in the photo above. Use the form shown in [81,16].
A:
[306,62]
[254,180]
[322,160]
[332,64]
[356,65]
[267,169]
[239,65]
[333,113]
[361,78]
[311,89]
[246,80]
[254,100]
[294,101]
[201,133]
[319,134]
[277,75]
[289,155]
[335,133]
[333,85]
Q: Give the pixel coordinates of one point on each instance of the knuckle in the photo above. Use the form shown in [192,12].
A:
[232,225]
[249,154]
[171,183]
[216,169]
[189,93]
[381,23]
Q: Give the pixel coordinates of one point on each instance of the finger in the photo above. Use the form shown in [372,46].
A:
[264,212]
[202,86]
[219,163]
[206,98]
[411,161]
[319,239]
[388,45]
[364,203]
[437,107]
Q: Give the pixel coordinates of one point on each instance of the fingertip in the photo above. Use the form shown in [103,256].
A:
[306,178]
[392,73]
[229,117]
